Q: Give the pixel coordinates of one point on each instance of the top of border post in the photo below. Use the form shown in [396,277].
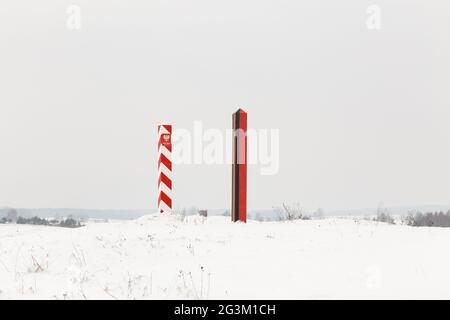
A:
[167,127]
[241,111]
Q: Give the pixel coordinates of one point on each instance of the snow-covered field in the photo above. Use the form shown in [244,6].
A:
[158,257]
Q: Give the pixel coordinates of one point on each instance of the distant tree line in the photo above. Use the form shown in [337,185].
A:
[429,219]
[65,223]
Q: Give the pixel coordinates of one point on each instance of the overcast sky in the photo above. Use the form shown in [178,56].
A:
[363,114]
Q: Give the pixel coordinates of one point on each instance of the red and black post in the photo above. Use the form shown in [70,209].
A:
[239,192]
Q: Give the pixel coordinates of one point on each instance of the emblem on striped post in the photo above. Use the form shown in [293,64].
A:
[239,170]
[165,168]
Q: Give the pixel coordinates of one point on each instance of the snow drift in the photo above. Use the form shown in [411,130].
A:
[170,257]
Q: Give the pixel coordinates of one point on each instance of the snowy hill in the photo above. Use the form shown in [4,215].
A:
[157,257]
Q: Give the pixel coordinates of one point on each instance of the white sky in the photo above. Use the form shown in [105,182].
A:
[363,115]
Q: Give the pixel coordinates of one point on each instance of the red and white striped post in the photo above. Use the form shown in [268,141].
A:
[165,168]
[239,192]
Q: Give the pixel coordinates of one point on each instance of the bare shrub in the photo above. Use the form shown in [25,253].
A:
[180,214]
[291,212]
[384,217]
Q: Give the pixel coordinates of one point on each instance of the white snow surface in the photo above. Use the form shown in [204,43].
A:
[166,257]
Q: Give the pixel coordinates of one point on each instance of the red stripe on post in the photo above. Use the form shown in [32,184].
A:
[239,171]
[164,198]
[164,179]
[163,159]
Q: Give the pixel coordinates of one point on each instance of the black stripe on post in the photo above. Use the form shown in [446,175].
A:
[233,168]
[236,167]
